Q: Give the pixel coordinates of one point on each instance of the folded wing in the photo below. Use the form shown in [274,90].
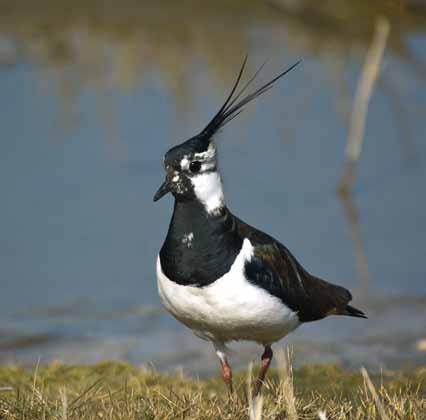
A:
[276,270]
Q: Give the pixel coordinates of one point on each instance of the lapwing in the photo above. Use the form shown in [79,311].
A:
[221,277]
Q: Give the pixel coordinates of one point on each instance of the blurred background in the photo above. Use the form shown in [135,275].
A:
[92,93]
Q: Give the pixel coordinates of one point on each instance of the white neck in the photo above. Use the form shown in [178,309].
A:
[208,189]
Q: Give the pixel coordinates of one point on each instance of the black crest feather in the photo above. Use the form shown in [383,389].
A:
[233,105]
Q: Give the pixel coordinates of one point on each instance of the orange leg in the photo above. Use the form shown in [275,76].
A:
[266,361]
[226,370]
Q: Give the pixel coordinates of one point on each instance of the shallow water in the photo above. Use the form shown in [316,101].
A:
[91,99]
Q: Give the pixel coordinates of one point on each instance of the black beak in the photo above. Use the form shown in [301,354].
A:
[162,191]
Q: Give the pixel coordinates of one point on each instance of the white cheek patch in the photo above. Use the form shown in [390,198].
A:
[184,163]
[208,189]
[208,166]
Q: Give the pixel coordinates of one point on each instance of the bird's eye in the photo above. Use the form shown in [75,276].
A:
[195,166]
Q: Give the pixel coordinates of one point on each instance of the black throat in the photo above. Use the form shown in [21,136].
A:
[199,247]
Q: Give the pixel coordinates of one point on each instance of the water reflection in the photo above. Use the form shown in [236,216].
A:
[116,85]
[102,45]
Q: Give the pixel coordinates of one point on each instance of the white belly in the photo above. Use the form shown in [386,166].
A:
[231,308]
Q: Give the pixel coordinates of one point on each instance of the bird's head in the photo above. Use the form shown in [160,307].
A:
[191,167]
[192,174]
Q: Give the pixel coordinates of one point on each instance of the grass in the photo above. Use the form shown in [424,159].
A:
[114,390]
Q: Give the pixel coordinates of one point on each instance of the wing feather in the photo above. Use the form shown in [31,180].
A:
[276,270]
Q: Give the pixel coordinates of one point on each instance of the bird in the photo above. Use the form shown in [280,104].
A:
[221,277]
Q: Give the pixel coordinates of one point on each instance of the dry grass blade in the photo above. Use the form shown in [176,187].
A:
[286,371]
[34,381]
[64,403]
[374,394]
[255,404]
[87,392]
[363,94]
[322,415]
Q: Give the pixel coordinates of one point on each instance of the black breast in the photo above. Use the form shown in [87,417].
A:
[199,248]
